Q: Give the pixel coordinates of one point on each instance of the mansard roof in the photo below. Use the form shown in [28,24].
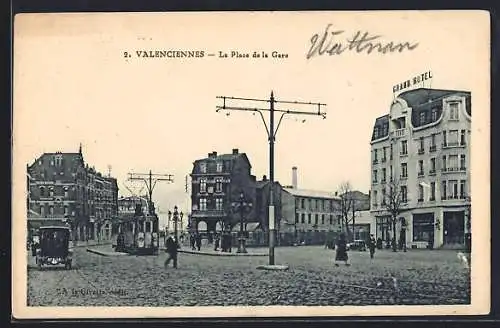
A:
[424,100]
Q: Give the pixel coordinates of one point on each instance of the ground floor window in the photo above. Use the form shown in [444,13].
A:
[383,225]
[423,227]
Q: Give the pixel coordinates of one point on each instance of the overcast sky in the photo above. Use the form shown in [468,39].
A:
[73,85]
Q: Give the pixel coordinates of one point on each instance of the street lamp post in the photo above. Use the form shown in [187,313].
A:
[168,224]
[242,206]
[177,217]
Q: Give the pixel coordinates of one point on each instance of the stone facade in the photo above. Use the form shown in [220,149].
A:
[422,149]
[62,188]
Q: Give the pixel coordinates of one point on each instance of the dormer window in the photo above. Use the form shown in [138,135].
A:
[434,114]
[58,159]
[454,111]
[203,167]
[423,118]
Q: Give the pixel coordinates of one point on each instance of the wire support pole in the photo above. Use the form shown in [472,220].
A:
[271,134]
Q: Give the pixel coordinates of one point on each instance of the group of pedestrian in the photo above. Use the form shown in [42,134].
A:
[195,240]
[341,249]
[226,242]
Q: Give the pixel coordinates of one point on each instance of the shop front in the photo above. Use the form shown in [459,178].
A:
[423,230]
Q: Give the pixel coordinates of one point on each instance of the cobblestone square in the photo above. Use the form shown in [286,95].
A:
[422,277]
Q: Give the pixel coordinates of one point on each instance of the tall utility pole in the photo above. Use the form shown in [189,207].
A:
[150,180]
[271,133]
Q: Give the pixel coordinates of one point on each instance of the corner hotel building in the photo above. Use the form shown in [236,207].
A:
[424,145]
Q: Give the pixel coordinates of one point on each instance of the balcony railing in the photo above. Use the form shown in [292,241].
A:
[454,169]
[432,148]
[420,200]
[451,144]
[384,159]
[375,161]
[399,133]
[209,212]
[421,151]
[450,197]
[432,172]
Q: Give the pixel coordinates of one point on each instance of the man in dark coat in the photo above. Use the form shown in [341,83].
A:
[192,239]
[198,242]
[372,244]
[172,247]
[217,241]
[341,253]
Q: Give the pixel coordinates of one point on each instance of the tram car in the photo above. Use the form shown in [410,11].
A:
[137,235]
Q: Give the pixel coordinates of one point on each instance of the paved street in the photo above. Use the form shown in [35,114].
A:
[423,277]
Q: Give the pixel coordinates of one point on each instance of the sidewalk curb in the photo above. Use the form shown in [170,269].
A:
[222,254]
[91,245]
[103,253]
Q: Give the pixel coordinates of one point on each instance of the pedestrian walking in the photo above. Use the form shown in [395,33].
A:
[216,243]
[172,247]
[192,240]
[372,244]
[198,242]
[341,253]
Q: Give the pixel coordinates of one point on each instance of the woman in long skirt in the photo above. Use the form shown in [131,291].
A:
[341,251]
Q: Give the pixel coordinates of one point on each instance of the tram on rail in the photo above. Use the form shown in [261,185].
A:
[138,235]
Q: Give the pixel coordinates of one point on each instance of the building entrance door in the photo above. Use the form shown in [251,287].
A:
[453,228]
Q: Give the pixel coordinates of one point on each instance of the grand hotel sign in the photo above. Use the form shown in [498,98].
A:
[412,82]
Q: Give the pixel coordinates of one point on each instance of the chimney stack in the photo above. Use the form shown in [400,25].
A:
[294,177]
[235,151]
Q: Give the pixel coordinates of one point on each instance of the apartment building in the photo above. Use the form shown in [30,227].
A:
[62,188]
[217,183]
[309,212]
[420,162]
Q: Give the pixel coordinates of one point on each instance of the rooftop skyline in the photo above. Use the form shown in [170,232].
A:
[141,114]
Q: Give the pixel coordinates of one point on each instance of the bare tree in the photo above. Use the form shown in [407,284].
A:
[347,207]
[392,200]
